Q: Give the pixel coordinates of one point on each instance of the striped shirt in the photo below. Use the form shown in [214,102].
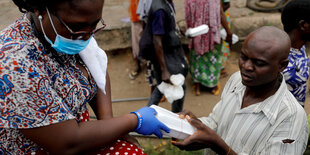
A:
[262,127]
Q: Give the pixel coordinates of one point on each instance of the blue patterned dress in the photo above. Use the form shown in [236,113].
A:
[37,87]
[296,73]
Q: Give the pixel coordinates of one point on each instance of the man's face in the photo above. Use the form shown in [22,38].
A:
[258,64]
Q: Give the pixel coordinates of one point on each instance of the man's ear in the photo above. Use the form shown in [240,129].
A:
[283,64]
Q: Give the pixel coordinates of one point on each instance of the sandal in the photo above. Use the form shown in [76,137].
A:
[223,73]
[133,75]
[216,90]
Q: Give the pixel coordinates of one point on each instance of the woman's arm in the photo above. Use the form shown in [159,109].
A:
[70,137]
[225,26]
[102,105]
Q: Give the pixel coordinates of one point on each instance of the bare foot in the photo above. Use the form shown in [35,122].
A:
[196,89]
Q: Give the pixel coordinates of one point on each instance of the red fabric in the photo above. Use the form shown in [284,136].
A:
[198,12]
[133,10]
[121,148]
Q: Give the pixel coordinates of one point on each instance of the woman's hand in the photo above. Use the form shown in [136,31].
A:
[148,124]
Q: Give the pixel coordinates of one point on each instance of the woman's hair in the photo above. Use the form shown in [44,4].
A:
[30,5]
[293,12]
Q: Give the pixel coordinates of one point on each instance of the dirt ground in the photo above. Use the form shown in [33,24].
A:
[120,63]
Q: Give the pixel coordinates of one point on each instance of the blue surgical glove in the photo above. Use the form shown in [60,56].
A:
[148,124]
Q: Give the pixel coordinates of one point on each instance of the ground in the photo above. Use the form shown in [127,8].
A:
[123,88]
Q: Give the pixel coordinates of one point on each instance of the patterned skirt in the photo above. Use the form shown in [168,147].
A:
[205,69]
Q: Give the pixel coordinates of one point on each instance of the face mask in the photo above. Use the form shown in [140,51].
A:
[62,44]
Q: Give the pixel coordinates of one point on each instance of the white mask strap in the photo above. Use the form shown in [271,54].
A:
[49,16]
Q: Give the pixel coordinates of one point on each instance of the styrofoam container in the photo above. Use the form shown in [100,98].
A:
[179,128]
[235,38]
[196,31]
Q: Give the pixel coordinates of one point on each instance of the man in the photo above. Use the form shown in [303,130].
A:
[296,21]
[256,114]
[160,43]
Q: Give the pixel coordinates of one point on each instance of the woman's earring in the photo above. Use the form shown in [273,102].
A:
[40,17]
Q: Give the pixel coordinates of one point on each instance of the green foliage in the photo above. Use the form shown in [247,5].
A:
[166,148]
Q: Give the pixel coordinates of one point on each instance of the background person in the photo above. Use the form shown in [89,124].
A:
[46,85]
[225,45]
[160,43]
[296,24]
[136,32]
[205,50]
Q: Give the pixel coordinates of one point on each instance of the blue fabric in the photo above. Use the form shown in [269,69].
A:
[158,24]
[296,73]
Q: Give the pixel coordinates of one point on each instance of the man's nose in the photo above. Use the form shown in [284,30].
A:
[248,65]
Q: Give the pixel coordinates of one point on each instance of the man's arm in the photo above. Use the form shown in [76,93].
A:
[157,41]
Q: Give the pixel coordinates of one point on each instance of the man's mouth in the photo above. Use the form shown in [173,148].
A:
[246,77]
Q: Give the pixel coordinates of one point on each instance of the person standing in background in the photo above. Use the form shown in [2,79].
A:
[136,32]
[296,21]
[205,50]
[160,43]
[225,46]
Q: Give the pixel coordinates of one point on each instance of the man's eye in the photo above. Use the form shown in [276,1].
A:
[243,57]
[259,63]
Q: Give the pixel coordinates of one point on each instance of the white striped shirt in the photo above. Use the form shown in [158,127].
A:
[259,128]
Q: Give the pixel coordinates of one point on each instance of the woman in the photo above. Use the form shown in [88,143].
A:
[45,85]
[225,46]
[205,50]
[296,24]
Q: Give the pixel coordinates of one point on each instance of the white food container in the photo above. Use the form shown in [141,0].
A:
[179,128]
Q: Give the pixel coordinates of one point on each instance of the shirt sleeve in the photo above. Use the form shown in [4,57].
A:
[290,137]
[158,23]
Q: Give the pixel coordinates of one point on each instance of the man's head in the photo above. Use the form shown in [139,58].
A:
[295,15]
[263,56]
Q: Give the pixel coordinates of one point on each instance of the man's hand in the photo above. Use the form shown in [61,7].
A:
[165,76]
[203,138]
[187,113]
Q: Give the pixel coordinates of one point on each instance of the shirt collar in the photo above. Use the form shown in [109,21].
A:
[270,106]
